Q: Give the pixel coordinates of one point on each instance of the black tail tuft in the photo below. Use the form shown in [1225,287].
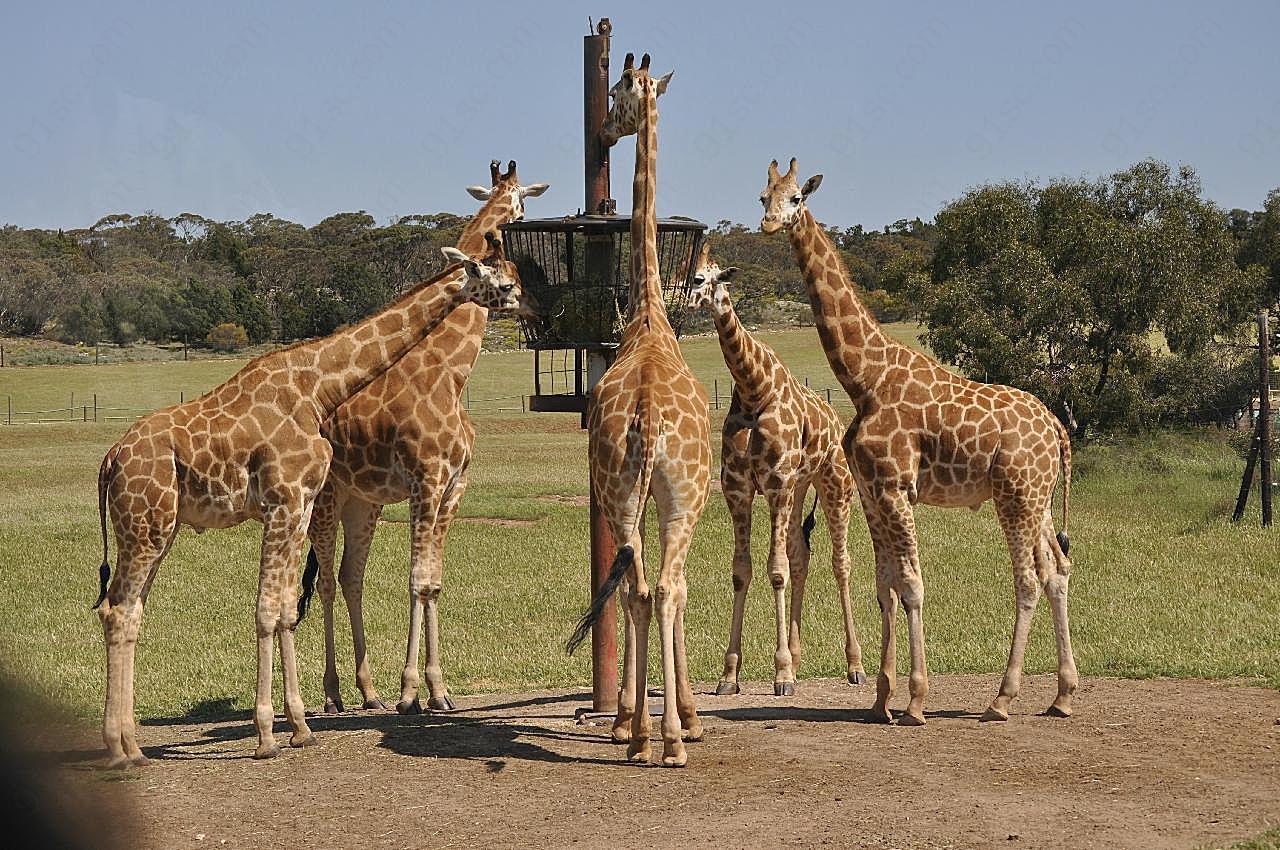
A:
[308,583]
[104,576]
[1064,542]
[625,558]
[807,526]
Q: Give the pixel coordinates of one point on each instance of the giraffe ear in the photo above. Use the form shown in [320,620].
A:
[811,185]
[453,255]
[480,193]
[663,83]
[534,191]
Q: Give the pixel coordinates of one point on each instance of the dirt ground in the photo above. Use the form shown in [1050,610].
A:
[1150,764]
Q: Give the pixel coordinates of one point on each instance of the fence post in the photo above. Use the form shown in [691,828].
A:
[10,409]
[97,352]
[715,382]
[1264,415]
[828,395]
[1,356]
[71,411]
[95,407]
[182,397]
[468,401]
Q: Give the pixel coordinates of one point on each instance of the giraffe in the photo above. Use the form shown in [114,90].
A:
[405,435]
[251,448]
[648,431]
[925,434]
[779,439]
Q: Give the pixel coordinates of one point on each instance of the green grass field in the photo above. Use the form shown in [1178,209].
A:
[1164,584]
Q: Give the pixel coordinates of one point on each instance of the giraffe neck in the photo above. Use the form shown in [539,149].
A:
[856,345]
[646,282]
[338,366]
[751,363]
[499,209]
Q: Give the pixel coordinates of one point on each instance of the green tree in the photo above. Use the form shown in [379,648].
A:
[1082,290]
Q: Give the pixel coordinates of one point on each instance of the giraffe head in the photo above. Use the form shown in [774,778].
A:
[783,199]
[492,281]
[505,196]
[711,284]
[630,96]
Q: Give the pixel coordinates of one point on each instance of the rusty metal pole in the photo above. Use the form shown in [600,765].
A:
[599,261]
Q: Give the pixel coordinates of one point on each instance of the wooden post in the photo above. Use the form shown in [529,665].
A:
[71,411]
[1246,483]
[95,407]
[1,356]
[1264,416]
[595,108]
[10,409]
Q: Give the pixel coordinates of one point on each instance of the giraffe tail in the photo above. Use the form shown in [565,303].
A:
[623,562]
[1064,450]
[806,527]
[308,583]
[626,557]
[104,569]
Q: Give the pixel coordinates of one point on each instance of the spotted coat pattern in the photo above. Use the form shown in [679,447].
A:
[925,434]
[407,435]
[648,430]
[779,439]
[251,448]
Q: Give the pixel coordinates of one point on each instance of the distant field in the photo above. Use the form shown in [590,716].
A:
[1164,584]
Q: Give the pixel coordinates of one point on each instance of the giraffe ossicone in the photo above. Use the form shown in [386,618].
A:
[925,434]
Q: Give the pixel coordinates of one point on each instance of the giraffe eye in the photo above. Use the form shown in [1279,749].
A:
[797,199]
[764,202]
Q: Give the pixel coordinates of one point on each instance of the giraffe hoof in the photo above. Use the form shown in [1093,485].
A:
[725,689]
[409,707]
[676,759]
[993,713]
[444,703]
[638,752]
[266,752]
[621,734]
[139,760]
[911,719]
[784,689]
[1059,710]
[880,714]
[857,677]
[120,762]
[693,733]
[333,706]
[309,741]
[375,704]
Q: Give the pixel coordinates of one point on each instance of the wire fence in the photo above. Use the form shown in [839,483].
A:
[99,408]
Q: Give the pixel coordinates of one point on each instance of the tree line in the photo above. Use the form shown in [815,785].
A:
[1122,301]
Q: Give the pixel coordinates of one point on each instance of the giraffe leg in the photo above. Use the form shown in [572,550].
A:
[138,560]
[898,578]
[424,583]
[1022,535]
[621,732]
[323,532]
[283,531]
[359,521]
[669,599]
[640,604]
[836,490]
[630,694]
[781,501]
[798,557]
[1057,577]
[739,492]
[690,724]
[440,699]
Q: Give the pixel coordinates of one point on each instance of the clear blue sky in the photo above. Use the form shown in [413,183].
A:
[302,110]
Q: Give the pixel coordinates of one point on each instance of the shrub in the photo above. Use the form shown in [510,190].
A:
[227,337]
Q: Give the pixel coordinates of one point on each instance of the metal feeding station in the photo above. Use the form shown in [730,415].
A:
[578,269]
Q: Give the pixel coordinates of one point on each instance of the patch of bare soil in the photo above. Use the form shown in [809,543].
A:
[1150,764]
[502,522]
[561,499]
